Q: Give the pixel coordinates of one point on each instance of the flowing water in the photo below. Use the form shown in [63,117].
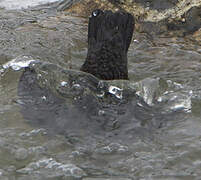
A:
[59,123]
[20,4]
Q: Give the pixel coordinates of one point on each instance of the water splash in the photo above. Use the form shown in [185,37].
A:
[52,165]
[115,91]
[101,92]
[19,63]
[176,101]
[64,83]
[170,95]
[147,89]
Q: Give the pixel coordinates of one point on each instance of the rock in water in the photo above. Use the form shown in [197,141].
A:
[109,37]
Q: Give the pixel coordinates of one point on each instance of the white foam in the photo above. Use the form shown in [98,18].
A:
[19,63]
[22,4]
[64,83]
[115,91]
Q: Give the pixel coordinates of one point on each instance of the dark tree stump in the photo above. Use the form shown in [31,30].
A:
[109,37]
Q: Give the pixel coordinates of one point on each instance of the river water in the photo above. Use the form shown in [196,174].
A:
[20,4]
[59,123]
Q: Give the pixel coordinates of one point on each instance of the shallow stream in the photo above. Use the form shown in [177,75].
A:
[69,125]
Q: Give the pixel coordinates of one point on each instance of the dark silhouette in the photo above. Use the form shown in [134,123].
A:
[109,37]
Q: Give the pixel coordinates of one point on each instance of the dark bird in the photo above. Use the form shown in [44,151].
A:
[109,37]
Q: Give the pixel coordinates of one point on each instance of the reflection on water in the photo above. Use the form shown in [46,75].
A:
[57,123]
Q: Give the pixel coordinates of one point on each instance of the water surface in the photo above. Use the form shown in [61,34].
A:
[23,4]
[145,128]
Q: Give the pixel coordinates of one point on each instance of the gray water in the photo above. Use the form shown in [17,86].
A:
[22,4]
[158,139]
